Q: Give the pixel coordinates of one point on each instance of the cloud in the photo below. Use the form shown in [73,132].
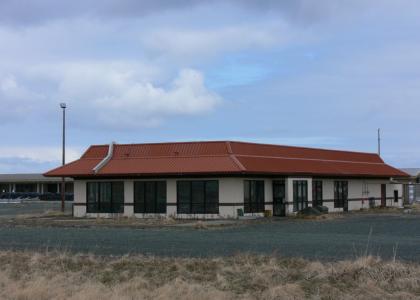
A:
[26,12]
[38,154]
[314,68]
[29,12]
[133,103]
[15,99]
[7,84]
[189,42]
[32,12]
[118,95]
[121,99]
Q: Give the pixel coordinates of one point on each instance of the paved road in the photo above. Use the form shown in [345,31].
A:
[326,240]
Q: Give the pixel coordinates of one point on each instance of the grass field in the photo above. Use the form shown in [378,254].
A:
[31,275]
[351,256]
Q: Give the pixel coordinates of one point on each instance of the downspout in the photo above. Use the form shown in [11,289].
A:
[106,159]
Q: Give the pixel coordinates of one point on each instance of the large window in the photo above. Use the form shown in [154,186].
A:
[317,193]
[150,197]
[25,188]
[4,188]
[198,197]
[300,195]
[105,197]
[254,196]
[340,193]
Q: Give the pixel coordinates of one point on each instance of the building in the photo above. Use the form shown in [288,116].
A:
[32,183]
[412,185]
[224,179]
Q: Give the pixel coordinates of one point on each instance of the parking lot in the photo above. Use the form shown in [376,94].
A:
[385,235]
[24,208]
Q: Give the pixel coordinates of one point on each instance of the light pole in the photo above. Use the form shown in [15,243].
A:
[63,183]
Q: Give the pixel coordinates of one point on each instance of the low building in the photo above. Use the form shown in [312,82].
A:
[224,179]
[32,183]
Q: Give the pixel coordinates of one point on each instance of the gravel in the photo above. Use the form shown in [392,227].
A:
[353,235]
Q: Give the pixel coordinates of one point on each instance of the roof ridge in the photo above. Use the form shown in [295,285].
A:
[163,143]
[239,142]
[316,159]
[237,162]
[170,156]
[228,147]
[302,147]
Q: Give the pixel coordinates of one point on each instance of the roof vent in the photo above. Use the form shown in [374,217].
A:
[106,159]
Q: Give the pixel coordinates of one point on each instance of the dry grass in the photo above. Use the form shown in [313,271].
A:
[329,216]
[63,220]
[379,210]
[25,275]
[415,207]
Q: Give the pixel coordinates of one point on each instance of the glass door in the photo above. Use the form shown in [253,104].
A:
[279,198]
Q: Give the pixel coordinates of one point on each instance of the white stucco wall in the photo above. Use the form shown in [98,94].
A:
[231,196]
[356,191]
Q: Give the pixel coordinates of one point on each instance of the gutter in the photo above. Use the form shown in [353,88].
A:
[106,159]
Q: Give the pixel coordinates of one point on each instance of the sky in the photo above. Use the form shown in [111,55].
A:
[323,74]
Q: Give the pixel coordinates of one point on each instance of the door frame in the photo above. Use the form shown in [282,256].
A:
[314,193]
[383,195]
[283,209]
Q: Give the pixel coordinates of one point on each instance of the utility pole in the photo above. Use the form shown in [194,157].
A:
[63,183]
[379,141]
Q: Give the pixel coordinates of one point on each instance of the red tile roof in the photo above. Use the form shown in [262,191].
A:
[206,158]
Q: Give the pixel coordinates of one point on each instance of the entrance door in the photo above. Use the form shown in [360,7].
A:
[346,196]
[279,198]
[316,193]
[383,195]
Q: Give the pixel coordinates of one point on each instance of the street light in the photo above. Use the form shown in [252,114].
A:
[63,183]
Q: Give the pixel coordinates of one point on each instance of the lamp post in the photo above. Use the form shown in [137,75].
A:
[63,183]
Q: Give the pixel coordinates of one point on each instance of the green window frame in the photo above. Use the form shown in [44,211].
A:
[198,197]
[254,198]
[150,197]
[105,197]
[300,195]
[317,193]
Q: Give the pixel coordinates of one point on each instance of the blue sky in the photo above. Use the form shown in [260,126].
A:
[308,73]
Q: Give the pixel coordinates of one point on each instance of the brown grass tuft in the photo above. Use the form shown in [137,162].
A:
[26,275]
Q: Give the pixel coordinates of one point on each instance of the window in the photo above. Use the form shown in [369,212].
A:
[150,197]
[396,196]
[254,196]
[105,197]
[198,197]
[300,195]
[365,189]
[4,188]
[317,193]
[340,193]
[25,188]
